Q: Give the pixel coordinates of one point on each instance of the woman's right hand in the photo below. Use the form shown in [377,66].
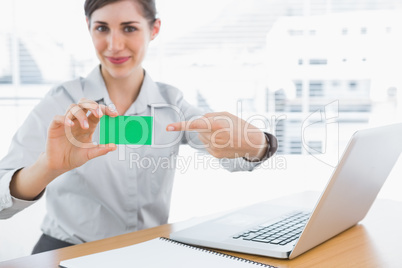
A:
[69,142]
[69,145]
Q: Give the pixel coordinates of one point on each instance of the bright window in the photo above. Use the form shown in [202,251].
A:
[278,59]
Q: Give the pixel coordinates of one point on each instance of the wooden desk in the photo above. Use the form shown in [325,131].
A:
[375,242]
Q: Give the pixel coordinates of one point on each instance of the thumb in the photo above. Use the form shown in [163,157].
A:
[101,150]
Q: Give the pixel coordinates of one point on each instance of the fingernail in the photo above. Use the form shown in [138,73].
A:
[112,107]
[69,122]
[99,111]
[170,128]
[86,125]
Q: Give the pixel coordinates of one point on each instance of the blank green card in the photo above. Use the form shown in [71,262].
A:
[126,130]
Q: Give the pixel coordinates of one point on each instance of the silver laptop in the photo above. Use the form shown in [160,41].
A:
[282,231]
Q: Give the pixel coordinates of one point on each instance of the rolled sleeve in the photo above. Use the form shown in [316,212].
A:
[27,144]
[10,205]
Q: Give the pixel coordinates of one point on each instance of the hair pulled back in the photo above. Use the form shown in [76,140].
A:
[148,8]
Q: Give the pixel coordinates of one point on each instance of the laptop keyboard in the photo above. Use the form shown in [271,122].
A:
[281,232]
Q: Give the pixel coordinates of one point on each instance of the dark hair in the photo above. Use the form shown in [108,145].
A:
[147,7]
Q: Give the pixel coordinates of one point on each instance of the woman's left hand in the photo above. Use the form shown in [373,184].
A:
[226,135]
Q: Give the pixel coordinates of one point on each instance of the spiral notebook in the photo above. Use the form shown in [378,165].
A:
[160,252]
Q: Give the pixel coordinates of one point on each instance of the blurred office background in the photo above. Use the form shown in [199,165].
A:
[310,71]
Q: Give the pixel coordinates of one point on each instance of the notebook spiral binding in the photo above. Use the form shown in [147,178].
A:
[217,253]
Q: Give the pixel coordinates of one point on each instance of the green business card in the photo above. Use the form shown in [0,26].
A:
[126,130]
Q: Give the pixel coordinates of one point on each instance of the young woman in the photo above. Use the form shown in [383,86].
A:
[95,191]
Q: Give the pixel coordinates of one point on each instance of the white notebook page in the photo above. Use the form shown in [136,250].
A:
[159,252]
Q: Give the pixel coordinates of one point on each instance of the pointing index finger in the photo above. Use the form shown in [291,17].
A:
[201,125]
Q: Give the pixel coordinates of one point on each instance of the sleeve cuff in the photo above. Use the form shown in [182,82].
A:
[10,205]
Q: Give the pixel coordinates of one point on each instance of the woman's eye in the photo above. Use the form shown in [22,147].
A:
[101,28]
[130,29]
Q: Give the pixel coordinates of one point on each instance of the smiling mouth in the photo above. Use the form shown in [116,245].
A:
[118,60]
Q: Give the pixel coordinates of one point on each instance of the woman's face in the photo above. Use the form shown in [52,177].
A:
[121,36]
